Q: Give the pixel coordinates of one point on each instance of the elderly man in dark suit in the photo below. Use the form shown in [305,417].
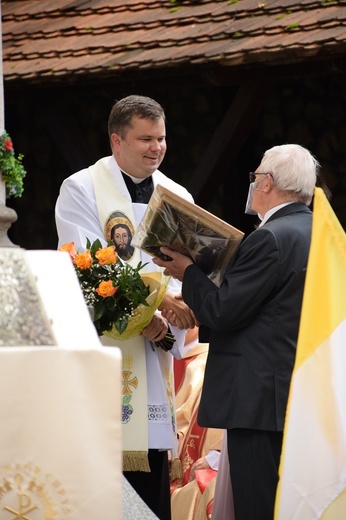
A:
[254,320]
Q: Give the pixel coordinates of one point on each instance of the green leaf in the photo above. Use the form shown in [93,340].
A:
[11,167]
[95,247]
[121,325]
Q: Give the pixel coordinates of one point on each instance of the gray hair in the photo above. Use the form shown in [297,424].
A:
[294,170]
[123,111]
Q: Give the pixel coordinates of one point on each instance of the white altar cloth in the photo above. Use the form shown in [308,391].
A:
[60,409]
[60,437]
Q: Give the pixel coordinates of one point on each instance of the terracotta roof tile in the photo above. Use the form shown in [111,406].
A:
[44,39]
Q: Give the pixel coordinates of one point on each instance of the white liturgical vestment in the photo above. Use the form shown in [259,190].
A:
[77,219]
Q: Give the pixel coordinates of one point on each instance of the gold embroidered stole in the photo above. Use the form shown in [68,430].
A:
[112,204]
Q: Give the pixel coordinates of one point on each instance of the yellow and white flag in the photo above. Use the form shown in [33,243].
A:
[313,462]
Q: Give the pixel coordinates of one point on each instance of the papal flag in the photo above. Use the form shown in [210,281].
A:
[313,463]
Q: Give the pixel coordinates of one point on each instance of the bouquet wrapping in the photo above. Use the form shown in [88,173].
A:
[143,314]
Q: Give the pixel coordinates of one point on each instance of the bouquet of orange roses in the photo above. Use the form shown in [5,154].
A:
[123,301]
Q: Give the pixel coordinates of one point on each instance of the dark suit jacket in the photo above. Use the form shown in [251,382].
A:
[254,321]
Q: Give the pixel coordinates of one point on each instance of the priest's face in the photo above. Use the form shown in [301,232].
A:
[142,149]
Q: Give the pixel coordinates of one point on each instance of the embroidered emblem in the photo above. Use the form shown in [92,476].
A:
[129,383]
[120,230]
[27,492]
[187,459]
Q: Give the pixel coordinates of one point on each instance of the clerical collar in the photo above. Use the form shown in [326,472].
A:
[134,179]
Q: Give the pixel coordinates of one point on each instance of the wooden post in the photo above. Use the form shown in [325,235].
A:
[7,215]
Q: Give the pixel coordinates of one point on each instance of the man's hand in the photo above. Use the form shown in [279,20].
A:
[157,328]
[199,464]
[175,267]
[175,310]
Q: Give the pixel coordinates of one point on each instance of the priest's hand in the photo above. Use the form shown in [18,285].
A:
[177,313]
[157,328]
[175,267]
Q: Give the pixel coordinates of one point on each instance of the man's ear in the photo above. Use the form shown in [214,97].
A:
[115,139]
[269,183]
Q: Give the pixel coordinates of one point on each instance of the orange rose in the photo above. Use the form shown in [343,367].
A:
[106,289]
[83,260]
[107,255]
[69,248]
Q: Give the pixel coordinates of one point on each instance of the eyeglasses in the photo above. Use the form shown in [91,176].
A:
[252,175]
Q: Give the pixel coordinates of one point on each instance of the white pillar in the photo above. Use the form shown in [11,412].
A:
[2,124]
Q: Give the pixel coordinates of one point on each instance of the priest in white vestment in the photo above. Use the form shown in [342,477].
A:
[109,199]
